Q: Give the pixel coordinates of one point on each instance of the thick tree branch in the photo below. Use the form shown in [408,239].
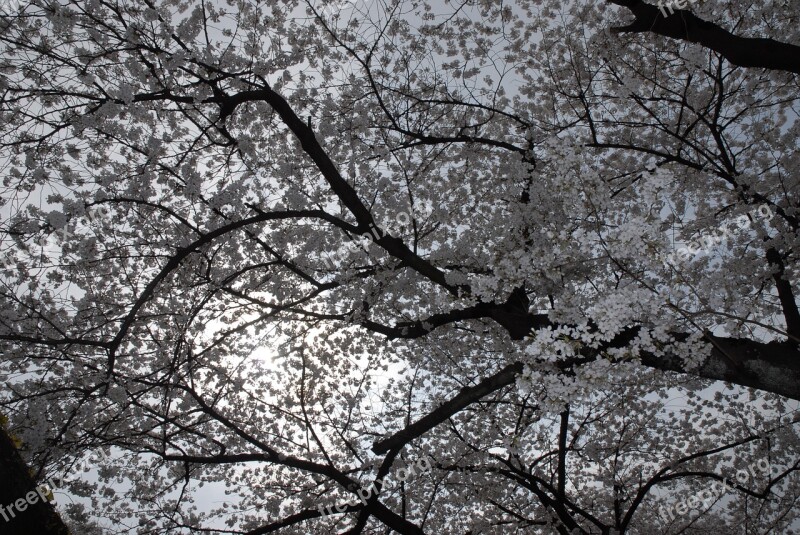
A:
[785,293]
[773,367]
[683,25]
[465,397]
[346,193]
[288,521]
[561,489]
[512,315]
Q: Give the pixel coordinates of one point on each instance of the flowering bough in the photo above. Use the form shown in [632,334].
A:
[523,331]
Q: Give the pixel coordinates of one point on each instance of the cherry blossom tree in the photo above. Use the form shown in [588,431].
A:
[271,258]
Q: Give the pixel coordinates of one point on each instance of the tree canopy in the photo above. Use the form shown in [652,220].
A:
[404,266]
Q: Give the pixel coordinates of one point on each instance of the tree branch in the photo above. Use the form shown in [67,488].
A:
[683,25]
[465,397]
[773,367]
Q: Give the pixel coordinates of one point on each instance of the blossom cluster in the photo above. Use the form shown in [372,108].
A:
[61,222]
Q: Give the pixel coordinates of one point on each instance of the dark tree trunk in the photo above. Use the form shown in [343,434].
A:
[38,517]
